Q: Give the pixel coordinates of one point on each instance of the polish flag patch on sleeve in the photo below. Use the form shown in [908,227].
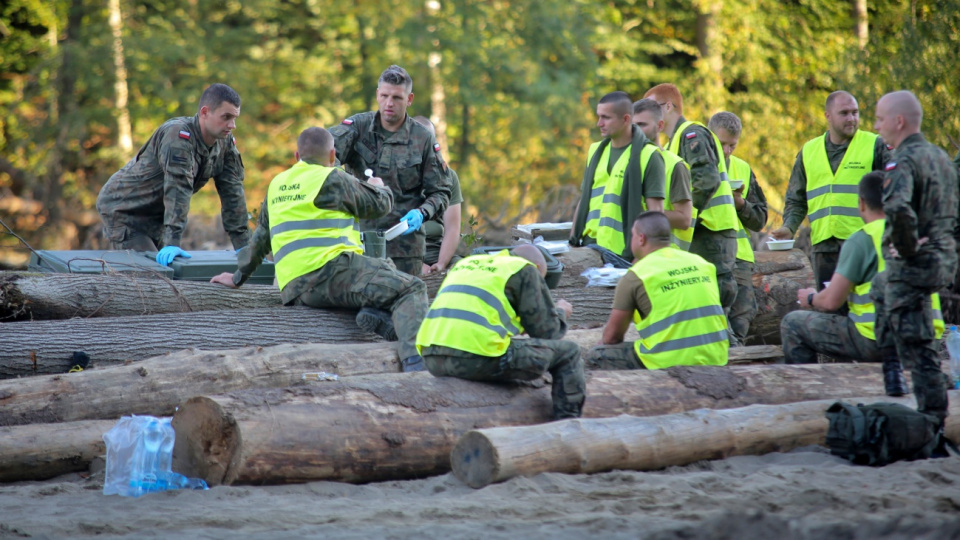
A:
[348,122]
[890,166]
[436,148]
[691,135]
[185,135]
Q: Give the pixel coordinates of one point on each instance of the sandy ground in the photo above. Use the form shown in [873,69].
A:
[805,494]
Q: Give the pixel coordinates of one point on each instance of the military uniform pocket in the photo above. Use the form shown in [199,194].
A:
[409,175]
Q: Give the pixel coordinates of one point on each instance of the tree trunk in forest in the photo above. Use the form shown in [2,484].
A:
[42,451]
[587,446]
[124,132]
[381,427]
[710,64]
[863,27]
[30,348]
[35,296]
[160,383]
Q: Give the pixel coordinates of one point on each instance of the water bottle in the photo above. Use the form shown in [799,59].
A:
[149,477]
[953,348]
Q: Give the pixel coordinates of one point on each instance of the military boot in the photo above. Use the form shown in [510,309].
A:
[893,380]
[414,363]
[377,321]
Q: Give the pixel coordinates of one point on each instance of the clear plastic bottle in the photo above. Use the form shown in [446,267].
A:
[953,348]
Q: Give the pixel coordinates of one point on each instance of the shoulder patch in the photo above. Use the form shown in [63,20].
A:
[185,135]
[436,148]
[890,166]
[348,122]
[889,147]
[691,135]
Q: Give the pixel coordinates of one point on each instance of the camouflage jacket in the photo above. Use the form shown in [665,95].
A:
[795,204]
[700,153]
[155,187]
[920,199]
[410,164]
[753,215]
[341,192]
[530,298]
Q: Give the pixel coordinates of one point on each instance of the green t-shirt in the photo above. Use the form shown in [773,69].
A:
[858,258]
[615,154]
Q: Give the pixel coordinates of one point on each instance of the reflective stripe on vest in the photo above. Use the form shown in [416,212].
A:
[720,213]
[471,312]
[600,177]
[303,237]
[740,170]
[610,232]
[681,237]
[686,324]
[862,310]
[832,198]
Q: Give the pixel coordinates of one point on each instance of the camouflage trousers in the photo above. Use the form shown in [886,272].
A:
[720,250]
[612,357]
[525,360]
[355,281]
[804,334]
[905,319]
[409,265]
[135,233]
[744,308]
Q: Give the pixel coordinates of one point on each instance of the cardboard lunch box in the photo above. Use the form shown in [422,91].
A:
[554,267]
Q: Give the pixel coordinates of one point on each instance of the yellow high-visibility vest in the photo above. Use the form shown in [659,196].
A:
[471,311]
[832,198]
[611,226]
[862,311]
[303,237]
[681,237]
[740,170]
[719,214]
[686,324]
[600,179]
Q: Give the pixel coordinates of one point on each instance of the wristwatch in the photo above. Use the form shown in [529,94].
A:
[423,213]
[810,299]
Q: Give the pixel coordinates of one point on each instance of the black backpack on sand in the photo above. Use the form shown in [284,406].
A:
[881,433]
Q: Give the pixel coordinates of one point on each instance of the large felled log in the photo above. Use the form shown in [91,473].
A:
[486,456]
[41,451]
[380,427]
[35,296]
[35,347]
[157,385]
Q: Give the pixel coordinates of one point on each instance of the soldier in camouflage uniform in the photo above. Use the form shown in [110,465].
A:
[920,201]
[443,232]
[408,159]
[843,119]
[527,294]
[348,279]
[752,213]
[144,205]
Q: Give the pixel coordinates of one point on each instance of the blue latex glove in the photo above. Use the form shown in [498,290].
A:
[168,253]
[414,219]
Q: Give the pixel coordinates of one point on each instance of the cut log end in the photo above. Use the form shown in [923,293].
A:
[475,461]
[208,442]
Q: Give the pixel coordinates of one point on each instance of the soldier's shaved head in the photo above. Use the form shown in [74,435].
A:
[653,225]
[833,97]
[870,190]
[314,143]
[532,254]
[899,115]
[217,93]
[620,101]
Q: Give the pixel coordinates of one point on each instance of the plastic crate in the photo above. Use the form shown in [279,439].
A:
[554,267]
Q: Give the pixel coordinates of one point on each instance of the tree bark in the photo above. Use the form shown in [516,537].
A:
[381,427]
[159,384]
[863,27]
[35,296]
[40,347]
[586,446]
[42,451]
[124,132]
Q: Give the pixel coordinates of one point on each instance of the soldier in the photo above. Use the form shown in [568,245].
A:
[443,233]
[308,220]
[751,207]
[484,301]
[624,177]
[144,205]
[678,207]
[715,235]
[672,297]
[920,202]
[824,182]
[408,158]
[850,337]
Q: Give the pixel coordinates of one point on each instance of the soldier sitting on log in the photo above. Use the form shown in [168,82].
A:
[672,297]
[317,250]
[484,301]
[850,337]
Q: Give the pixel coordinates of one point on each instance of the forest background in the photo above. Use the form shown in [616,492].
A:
[512,87]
